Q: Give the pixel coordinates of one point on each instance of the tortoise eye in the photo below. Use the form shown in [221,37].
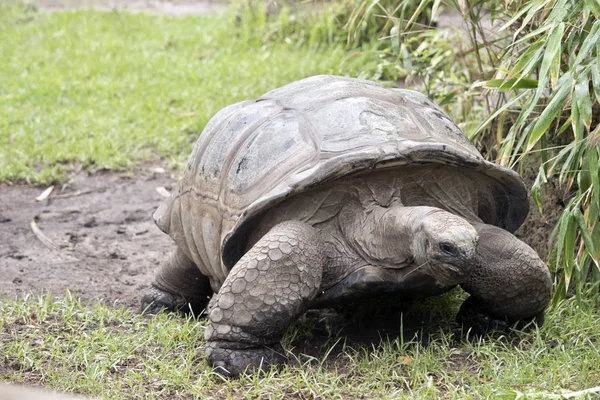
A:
[448,248]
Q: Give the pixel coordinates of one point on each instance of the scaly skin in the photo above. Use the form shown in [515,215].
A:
[268,288]
[510,283]
[178,286]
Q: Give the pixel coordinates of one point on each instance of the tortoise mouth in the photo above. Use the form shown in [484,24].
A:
[448,274]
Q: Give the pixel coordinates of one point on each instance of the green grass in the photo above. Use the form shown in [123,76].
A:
[114,353]
[109,90]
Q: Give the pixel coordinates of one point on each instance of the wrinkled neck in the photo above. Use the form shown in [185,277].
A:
[386,236]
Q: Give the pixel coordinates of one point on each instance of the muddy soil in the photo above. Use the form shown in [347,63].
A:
[104,244]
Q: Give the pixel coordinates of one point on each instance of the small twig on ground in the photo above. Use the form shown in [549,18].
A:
[41,236]
[50,244]
[75,194]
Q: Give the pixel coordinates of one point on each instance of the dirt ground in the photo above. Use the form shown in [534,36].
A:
[107,246]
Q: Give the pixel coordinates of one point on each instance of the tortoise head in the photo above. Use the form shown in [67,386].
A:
[445,245]
[431,240]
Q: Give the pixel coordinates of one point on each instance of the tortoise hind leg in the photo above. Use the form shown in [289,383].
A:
[510,283]
[267,289]
[178,286]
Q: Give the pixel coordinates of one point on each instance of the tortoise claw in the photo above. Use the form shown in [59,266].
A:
[156,300]
[475,317]
[480,322]
[232,363]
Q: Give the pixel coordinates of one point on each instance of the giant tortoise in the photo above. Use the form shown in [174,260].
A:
[330,190]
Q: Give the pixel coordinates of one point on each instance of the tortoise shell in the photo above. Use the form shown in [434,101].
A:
[254,154]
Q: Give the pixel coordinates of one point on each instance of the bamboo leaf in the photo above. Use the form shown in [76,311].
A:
[571,165]
[552,52]
[508,104]
[531,34]
[554,72]
[590,41]
[559,157]
[596,231]
[434,9]
[559,10]
[583,100]
[566,245]
[520,144]
[527,60]
[530,15]
[585,234]
[594,174]
[518,15]
[500,128]
[576,122]
[418,11]
[593,138]
[549,61]
[549,114]
[530,106]
[570,241]
[536,188]
[447,99]
[511,84]
[594,7]
[563,224]
[583,180]
[595,69]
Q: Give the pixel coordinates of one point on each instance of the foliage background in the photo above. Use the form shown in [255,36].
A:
[111,90]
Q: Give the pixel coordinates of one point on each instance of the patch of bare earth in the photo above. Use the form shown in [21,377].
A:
[103,244]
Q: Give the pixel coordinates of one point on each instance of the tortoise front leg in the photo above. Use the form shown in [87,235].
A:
[268,288]
[510,283]
[178,286]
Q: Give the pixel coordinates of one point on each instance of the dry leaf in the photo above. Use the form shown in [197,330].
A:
[44,195]
[405,360]
[162,191]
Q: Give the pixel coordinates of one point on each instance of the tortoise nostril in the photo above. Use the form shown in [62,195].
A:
[469,254]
